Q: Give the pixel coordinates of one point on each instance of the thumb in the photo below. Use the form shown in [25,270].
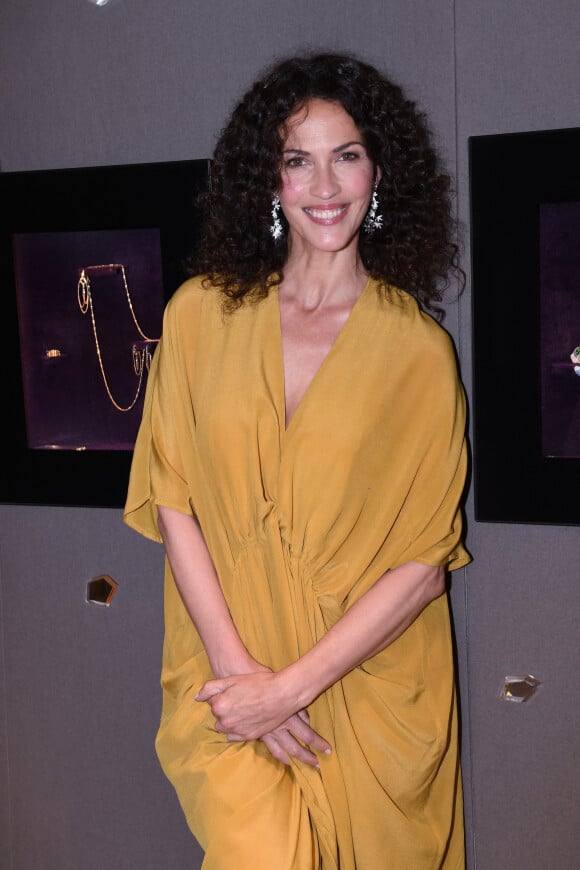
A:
[211,688]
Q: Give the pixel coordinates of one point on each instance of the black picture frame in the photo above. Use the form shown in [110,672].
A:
[134,197]
[515,180]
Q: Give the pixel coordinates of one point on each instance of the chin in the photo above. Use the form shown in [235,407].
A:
[334,245]
[330,241]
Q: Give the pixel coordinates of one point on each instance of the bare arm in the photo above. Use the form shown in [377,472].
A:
[198,585]
[248,705]
[377,619]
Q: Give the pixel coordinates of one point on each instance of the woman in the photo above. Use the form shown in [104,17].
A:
[302,458]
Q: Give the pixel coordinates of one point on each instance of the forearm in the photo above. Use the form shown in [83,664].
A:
[373,622]
[198,585]
[248,706]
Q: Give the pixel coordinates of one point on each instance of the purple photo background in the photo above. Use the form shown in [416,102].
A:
[559,328]
[66,402]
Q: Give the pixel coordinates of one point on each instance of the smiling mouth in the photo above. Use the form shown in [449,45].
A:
[326,214]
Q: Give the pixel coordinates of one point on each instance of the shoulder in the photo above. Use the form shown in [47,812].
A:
[194,301]
[192,295]
[418,330]
[421,347]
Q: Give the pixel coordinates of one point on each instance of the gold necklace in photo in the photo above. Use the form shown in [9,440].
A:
[141,356]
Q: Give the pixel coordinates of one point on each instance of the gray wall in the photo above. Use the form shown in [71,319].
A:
[140,81]
[518,68]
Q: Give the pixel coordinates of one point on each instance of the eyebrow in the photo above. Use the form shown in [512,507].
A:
[334,150]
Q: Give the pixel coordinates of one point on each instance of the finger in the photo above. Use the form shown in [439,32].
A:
[276,750]
[307,734]
[304,715]
[231,736]
[292,747]
[211,688]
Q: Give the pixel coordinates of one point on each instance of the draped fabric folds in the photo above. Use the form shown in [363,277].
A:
[300,521]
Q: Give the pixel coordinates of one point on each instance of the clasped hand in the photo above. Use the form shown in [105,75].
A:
[256,706]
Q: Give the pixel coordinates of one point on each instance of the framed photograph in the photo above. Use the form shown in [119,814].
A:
[525,245]
[88,258]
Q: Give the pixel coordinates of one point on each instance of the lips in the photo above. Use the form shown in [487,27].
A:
[326,215]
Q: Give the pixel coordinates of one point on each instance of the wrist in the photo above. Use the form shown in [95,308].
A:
[225,663]
[296,686]
[231,658]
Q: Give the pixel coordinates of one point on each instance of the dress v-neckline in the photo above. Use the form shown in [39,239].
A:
[345,328]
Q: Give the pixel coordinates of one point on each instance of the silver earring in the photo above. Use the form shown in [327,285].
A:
[373,221]
[276,229]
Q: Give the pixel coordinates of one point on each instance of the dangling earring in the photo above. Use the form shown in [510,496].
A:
[373,221]
[276,229]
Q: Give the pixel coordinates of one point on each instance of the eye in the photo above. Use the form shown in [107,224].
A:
[293,162]
[349,155]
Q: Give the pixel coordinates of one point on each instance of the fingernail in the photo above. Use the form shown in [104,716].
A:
[328,751]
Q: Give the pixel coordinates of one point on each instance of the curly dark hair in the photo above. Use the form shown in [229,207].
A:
[413,250]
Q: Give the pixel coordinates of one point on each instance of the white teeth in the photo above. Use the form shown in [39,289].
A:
[326,214]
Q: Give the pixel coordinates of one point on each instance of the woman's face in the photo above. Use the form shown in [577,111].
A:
[327,178]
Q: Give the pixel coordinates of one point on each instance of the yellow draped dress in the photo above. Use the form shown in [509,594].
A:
[300,522]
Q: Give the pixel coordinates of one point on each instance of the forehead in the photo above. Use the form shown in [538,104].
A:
[319,121]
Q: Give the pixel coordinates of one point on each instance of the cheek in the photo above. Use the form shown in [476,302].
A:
[291,191]
[363,184]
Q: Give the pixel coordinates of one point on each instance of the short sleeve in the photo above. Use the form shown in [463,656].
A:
[163,462]
[433,505]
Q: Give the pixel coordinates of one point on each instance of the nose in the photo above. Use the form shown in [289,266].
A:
[324,183]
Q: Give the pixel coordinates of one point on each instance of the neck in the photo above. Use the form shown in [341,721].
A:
[322,278]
